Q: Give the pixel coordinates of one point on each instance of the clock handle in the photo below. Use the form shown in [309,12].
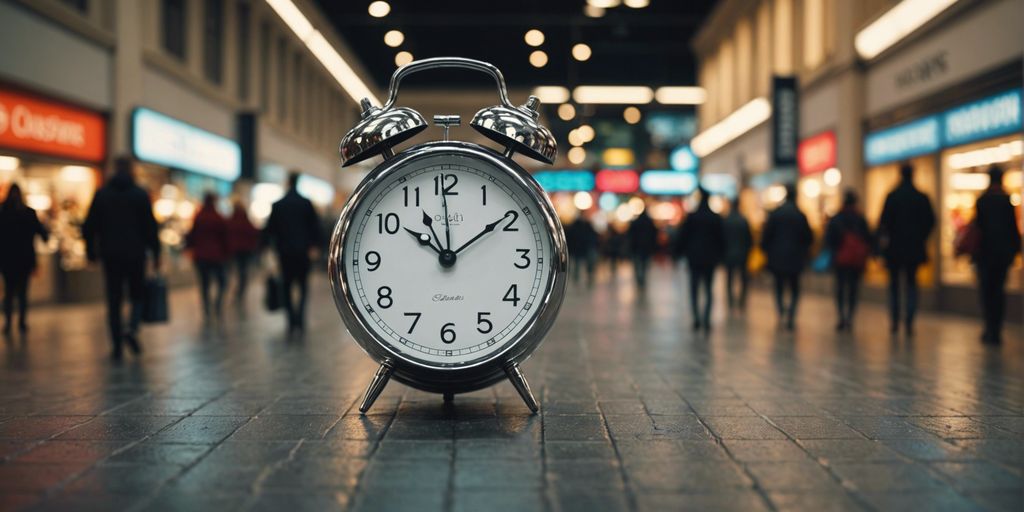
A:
[443,63]
[380,379]
[519,382]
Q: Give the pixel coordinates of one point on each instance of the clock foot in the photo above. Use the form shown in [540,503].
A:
[380,379]
[519,382]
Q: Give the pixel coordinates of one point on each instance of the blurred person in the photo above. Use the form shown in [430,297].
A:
[294,230]
[786,241]
[738,243]
[208,241]
[1000,240]
[243,243]
[849,239]
[19,227]
[643,242]
[701,241]
[614,248]
[120,230]
[903,229]
[582,241]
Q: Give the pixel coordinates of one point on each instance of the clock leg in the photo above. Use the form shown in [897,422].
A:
[519,382]
[380,379]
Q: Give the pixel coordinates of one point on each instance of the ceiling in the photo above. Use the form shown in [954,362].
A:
[646,46]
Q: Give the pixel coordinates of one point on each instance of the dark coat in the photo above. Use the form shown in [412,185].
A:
[581,238]
[293,227]
[907,220]
[787,239]
[208,238]
[19,226]
[997,224]
[120,225]
[738,239]
[643,236]
[702,237]
[243,237]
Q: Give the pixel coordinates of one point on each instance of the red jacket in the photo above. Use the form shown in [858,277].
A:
[242,235]
[209,237]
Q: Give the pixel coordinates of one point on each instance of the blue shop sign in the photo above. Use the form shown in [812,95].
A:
[983,119]
[668,183]
[683,159]
[904,141]
[565,181]
[163,140]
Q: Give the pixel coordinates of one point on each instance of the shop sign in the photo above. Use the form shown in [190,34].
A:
[619,181]
[983,119]
[683,159]
[904,141]
[785,115]
[668,183]
[565,181]
[53,129]
[166,141]
[816,154]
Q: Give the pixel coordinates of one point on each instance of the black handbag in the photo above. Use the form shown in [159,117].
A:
[272,298]
[154,301]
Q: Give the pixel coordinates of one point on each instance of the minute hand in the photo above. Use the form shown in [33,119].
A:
[487,229]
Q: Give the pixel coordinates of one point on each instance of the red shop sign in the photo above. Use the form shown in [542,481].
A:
[48,128]
[816,154]
[617,181]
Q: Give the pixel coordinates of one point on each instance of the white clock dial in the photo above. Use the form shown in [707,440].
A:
[447,293]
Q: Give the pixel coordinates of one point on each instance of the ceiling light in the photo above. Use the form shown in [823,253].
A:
[577,155]
[631,115]
[604,4]
[575,138]
[636,4]
[566,111]
[402,58]
[581,52]
[583,200]
[680,95]
[987,156]
[613,94]
[538,59]
[394,38]
[586,132]
[593,12]
[551,94]
[739,122]
[379,9]
[895,24]
[534,37]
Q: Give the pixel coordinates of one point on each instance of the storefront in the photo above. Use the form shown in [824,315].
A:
[54,152]
[819,194]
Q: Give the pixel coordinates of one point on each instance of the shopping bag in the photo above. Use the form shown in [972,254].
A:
[967,241]
[272,298]
[823,261]
[154,301]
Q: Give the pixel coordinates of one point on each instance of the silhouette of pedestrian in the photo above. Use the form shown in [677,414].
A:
[849,239]
[787,238]
[294,230]
[582,240]
[19,226]
[243,242]
[119,230]
[701,241]
[208,241]
[1000,240]
[643,241]
[907,220]
[738,242]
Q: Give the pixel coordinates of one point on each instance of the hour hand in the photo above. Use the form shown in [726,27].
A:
[423,239]
[487,229]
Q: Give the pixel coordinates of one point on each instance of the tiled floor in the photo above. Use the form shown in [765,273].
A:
[638,414]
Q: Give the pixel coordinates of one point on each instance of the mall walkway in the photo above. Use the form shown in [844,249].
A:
[638,414]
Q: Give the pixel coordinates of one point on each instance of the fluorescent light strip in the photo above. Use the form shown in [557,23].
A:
[322,50]
[987,156]
[680,95]
[895,24]
[551,94]
[622,95]
[739,122]
[613,94]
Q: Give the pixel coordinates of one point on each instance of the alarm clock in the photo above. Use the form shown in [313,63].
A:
[448,261]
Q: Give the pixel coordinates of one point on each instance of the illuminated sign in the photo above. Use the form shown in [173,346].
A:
[48,128]
[904,141]
[785,120]
[167,141]
[618,156]
[719,184]
[983,119]
[565,181]
[683,159]
[618,181]
[668,183]
[816,154]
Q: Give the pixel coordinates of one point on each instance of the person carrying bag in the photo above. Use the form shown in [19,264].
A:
[848,240]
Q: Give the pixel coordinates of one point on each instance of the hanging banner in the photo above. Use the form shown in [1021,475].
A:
[785,121]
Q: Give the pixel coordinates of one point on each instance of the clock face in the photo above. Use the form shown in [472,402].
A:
[447,260]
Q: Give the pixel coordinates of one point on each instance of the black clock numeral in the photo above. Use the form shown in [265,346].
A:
[441,182]
[415,320]
[523,258]
[384,299]
[387,223]
[415,193]
[481,321]
[483,191]
[512,295]
[448,333]
[514,216]
[372,260]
